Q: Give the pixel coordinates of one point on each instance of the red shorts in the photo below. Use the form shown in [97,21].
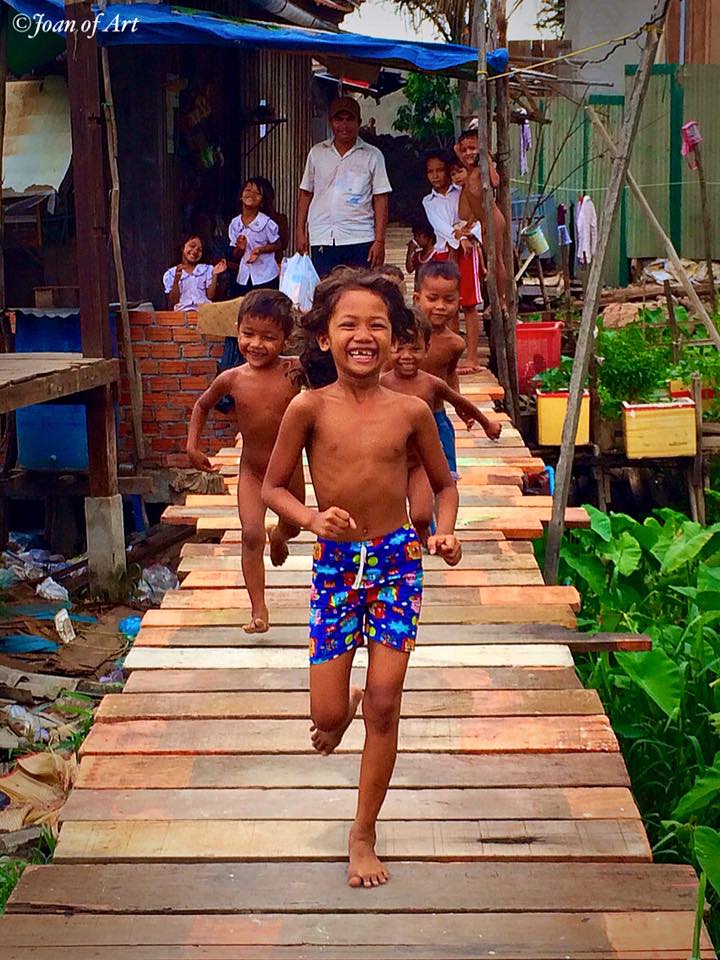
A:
[470,277]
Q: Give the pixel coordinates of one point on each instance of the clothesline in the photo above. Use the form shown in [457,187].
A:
[643,186]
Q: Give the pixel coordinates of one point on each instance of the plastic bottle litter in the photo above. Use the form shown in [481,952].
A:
[50,590]
[129,627]
[155,582]
[64,627]
[26,724]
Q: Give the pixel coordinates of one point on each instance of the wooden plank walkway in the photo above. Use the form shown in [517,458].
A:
[203,826]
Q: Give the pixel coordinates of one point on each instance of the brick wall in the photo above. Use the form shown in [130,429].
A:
[177,364]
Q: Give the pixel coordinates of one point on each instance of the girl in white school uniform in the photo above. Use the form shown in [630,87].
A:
[255,239]
[191,282]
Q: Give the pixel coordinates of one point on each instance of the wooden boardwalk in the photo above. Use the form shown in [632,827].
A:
[203,827]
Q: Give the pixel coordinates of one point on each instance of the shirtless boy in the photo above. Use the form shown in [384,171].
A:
[438,297]
[406,376]
[262,390]
[367,575]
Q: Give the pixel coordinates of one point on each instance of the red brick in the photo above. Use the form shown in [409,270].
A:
[165,444]
[172,366]
[175,430]
[171,414]
[141,318]
[194,383]
[138,333]
[169,384]
[188,400]
[141,350]
[168,318]
[184,334]
[165,351]
[149,366]
[195,350]
[160,335]
[196,367]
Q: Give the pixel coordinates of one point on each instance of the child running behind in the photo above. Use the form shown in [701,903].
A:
[407,354]
[438,297]
[367,571]
[262,390]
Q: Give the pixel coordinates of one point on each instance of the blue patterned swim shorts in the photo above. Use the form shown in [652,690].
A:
[365,589]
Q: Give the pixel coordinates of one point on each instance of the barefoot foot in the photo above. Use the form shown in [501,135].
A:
[278,546]
[259,622]
[468,368]
[364,869]
[325,741]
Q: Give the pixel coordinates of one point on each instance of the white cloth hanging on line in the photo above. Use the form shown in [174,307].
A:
[585,230]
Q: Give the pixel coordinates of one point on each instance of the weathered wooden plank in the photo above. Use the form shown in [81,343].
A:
[455,735]
[152,772]
[222,658]
[417,678]
[195,840]
[469,538]
[233,888]
[557,614]
[415,703]
[440,804]
[281,578]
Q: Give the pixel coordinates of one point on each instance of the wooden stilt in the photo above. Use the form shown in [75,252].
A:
[672,320]
[697,479]
[707,225]
[592,300]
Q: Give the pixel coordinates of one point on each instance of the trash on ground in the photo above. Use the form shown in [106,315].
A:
[64,627]
[26,643]
[156,580]
[50,590]
[37,789]
[129,627]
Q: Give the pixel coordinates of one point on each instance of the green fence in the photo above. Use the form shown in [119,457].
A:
[581,165]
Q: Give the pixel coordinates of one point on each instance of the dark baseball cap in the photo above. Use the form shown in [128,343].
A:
[344,104]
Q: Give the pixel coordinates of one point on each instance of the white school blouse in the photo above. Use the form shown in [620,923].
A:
[441,209]
[260,231]
[193,286]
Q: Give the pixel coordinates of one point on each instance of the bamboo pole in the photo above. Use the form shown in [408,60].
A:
[672,321]
[496,322]
[585,341]
[707,225]
[672,253]
[134,377]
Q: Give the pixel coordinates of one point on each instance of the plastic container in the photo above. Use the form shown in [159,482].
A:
[679,389]
[535,240]
[659,429]
[538,347]
[551,412]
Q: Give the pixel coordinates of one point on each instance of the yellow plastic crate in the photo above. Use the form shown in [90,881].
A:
[659,429]
[551,411]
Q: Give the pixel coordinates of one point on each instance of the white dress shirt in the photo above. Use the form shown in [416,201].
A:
[193,286]
[441,210]
[341,210]
[262,230]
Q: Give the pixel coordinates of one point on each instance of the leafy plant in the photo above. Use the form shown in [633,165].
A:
[428,114]
[554,379]
[629,368]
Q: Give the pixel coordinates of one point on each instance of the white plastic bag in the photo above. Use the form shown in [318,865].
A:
[298,279]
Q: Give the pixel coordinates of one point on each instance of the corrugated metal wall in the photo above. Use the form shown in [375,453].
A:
[675,95]
[285,82]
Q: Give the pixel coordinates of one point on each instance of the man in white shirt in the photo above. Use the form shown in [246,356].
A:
[343,202]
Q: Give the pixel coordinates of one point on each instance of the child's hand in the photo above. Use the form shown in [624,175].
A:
[332,523]
[241,242]
[493,429]
[446,546]
[466,245]
[198,459]
[220,267]
[254,254]
[178,272]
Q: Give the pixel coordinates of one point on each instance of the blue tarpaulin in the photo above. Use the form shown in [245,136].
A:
[153,24]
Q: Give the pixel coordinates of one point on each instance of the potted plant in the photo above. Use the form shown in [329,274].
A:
[632,383]
[552,401]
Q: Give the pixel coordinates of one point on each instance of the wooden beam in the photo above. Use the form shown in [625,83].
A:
[585,340]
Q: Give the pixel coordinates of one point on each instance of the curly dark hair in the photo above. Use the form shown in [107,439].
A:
[272,304]
[419,327]
[318,366]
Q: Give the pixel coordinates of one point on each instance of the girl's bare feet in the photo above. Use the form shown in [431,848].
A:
[278,546]
[259,622]
[325,741]
[364,869]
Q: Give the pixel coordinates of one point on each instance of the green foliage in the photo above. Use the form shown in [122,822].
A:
[10,872]
[660,576]
[428,114]
[555,378]
[630,368]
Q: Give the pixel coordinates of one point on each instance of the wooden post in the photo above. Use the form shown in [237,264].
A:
[672,253]
[134,377]
[497,323]
[103,509]
[697,486]
[504,153]
[584,346]
[672,321]
[541,278]
[565,255]
[707,225]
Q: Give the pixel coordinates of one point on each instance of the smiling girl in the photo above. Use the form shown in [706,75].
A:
[255,239]
[191,282]
[367,573]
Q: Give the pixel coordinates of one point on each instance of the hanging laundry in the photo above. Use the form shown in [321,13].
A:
[525,142]
[564,239]
[586,230]
[691,137]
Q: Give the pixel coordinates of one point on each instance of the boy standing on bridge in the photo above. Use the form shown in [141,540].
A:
[367,571]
